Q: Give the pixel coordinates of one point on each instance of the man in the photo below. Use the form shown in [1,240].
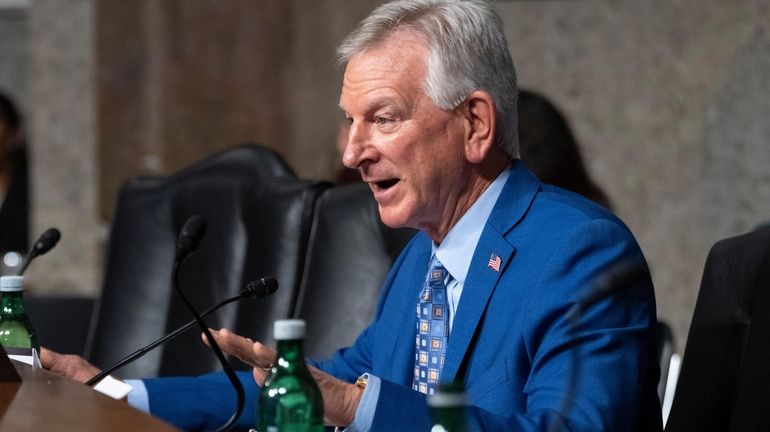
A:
[429,92]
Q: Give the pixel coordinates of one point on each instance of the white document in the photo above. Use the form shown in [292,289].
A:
[109,386]
[113,388]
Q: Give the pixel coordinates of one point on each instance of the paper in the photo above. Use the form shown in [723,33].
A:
[109,386]
[113,388]
[32,360]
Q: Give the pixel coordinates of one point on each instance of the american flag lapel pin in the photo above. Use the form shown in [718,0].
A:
[494,262]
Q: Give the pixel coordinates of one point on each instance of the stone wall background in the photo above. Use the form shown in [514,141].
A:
[669,102]
[668,99]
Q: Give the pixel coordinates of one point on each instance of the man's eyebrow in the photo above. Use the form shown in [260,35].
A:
[375,105]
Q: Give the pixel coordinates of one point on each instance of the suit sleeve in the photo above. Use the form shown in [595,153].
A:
[204,402]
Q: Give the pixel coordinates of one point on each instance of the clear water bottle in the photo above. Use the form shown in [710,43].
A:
[448,409]
[17,334]
[290,400]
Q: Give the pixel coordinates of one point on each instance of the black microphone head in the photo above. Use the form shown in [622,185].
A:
[619,277]
[260,288]
[46,241]
[191,235]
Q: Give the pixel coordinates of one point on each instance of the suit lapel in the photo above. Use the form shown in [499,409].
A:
[482,278]
[479,285]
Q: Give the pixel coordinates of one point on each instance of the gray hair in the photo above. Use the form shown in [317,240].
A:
[467,52]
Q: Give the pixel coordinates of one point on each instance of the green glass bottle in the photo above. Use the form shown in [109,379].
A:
[448,408]
[17,335]
[290,400]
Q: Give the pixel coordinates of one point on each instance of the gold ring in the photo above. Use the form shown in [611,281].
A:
[268,368]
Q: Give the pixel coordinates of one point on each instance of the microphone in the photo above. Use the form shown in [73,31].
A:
[190,237]
[188,241]
[619,278]
[624,275]
[259,288]
[43,244]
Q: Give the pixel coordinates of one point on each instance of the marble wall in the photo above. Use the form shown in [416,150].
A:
[62,138]
[668,99]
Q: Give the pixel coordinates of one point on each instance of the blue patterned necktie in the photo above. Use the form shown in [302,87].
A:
[432,330]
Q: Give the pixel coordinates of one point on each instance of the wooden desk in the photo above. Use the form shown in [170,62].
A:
[44,401]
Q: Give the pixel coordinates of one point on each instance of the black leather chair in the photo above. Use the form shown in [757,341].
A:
[259,218]
[725,374]
[348,258]
[61,322]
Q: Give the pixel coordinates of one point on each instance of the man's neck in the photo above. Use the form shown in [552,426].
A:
[481,176]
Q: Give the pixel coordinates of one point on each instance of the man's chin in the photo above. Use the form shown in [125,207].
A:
[392,218]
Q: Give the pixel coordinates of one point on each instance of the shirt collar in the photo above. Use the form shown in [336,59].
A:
[465,235]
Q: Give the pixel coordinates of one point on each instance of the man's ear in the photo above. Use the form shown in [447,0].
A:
[480,123]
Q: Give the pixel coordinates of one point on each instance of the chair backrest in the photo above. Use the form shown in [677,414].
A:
[348,258]
[259,218]
[47,314]
[724,376]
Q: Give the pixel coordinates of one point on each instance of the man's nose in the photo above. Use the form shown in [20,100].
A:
[356,146]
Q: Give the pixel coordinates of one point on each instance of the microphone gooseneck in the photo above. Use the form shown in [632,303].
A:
[189,238]
[260,288]
[43,244]
[619,278]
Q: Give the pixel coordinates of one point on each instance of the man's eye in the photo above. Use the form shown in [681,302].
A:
[382,120]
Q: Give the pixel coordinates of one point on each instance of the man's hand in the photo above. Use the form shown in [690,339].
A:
[70,366]
[254,354]
[340,398]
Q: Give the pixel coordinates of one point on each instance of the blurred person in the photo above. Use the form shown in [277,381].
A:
[550,150]
[14,196]
[482,293]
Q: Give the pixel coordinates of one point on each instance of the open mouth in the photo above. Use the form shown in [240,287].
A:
[386,184]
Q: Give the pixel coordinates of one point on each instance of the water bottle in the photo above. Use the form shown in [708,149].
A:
[17,335]
[290,400]
[448,409]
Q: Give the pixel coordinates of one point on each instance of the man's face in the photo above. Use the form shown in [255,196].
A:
[409,151]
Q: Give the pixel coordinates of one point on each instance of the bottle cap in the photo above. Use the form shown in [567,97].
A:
[448,395]
[11,283]
[289,329]
[447,400]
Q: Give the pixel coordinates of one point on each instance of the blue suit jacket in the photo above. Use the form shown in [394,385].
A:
[511,342]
